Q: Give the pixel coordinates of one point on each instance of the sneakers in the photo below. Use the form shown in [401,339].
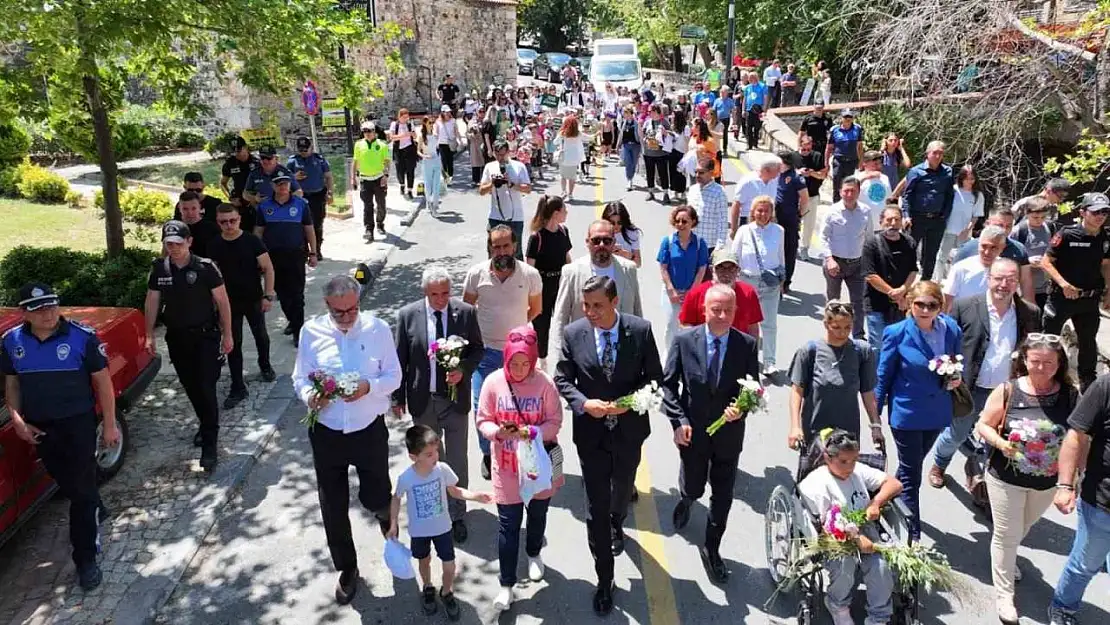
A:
[769,369]
[1007,613]
[450,605]
[840,616]
[89,577]
[381,229]
[666,198]
[629,185]
[504,599]
[1058,616]
[368,235]
[428,600]
[535,568]
[803,253]
[235,396]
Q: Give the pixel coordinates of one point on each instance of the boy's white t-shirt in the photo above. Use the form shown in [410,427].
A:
[426,498]
[967,277]
[821,489]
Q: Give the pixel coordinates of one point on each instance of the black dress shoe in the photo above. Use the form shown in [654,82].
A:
[347,586]
[235,396]
[618,540]
[485,467]
[208,458]
[681,514]
[288,331]
[198,440]
[714,565]
[268,374]
[89,577]
[603,599]
[458,531]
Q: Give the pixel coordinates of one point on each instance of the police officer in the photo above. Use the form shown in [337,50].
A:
[260,183]
[190,293]
[233,180]
[285,226]
[313,173]
[1078,264]
[371,177]
[51,367]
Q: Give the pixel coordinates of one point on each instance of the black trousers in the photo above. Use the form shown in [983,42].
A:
[752,125]
[713,459]
[195,355]
[251,311]
[405,161]
[372,193]
[476,174]
[678,179]
[318,205]
[790,228]
[658,166]
[724,133]
[447,159]
[1084,316]
[840,169]
[289,283]
[608,470]
[927,232]
[333,452]
[542,322]
[776,95]
[68,451]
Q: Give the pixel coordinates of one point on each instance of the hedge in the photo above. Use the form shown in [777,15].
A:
[39,184]
[144,206]
[80,278]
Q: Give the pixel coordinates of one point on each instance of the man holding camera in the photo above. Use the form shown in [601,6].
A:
[506,180]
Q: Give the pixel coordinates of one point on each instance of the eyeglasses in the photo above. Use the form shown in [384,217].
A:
[527,339]
[926,306]
[1041,337]
[602,240]
[229,221]
[343,312]
[679,222]
[839,308]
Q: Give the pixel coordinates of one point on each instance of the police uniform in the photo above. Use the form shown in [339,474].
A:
[284,236]
[238,171]
[1078,256]
[192,333]
[315,168]
[56,396]
[787,202]
[263,184]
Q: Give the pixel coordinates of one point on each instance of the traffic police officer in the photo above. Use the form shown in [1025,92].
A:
[233,179]
[313,173]
[285,226]
[190,293]
[51,367]
[1078,264]
[260,186]
[371,176]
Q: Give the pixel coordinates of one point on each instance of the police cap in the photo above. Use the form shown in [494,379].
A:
[36,295]
[303,143]
[267,152]
[368,127]
[1094,202]
[175,232]
[280,178]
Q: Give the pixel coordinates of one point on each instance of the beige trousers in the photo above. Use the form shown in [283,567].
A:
[1015,510]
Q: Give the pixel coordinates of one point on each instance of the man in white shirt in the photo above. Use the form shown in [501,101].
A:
[969,276]
[506,181]
[710,200]
[846,227]
[874,186]
[350,430]
[772,77]
[763,182]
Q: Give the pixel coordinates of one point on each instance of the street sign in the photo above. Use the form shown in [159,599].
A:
[692,32]
[331,114]
[310,99]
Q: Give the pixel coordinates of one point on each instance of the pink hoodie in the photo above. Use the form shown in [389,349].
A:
[540,407]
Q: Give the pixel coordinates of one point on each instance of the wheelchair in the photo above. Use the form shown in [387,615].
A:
[790,523]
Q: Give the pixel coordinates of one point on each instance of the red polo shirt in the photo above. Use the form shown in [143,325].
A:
[747,314]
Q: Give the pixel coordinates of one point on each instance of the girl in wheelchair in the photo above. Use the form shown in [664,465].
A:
[841,480]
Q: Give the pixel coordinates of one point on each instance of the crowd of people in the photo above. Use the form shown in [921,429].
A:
[542,328]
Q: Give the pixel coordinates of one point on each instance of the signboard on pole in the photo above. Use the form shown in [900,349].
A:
[692,32]
[262,137]
[331,114]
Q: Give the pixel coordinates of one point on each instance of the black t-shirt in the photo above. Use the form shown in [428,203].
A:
[818,128]
[489,133]
[549,248]
[187,302]
[208,207]
[238,262]
[1078,257]
[893,261]
[238,171]
[1092,417]
[203,232]
[448,93]
[815,160]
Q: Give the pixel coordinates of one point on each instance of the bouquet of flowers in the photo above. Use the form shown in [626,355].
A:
[947,367]
[1038,443]
[448,355]
[648,398]
[327,386]
[750,399]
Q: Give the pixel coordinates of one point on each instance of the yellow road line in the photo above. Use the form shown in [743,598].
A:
[662,609]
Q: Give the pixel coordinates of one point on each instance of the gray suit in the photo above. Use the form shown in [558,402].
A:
[568,304]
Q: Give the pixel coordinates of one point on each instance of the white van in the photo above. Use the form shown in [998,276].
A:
[615,47]
[620,71]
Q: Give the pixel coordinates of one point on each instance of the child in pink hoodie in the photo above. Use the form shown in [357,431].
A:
[517,404]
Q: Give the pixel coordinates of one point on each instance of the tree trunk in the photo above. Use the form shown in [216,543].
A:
[706,54]
[1102,81]
[102,131]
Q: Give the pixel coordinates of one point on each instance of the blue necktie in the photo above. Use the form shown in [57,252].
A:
[715,365]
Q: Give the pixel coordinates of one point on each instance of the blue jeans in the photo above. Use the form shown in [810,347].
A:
[912,446]
[492,360]
[958,435]
[510,516]
[433,172]
[876,323]
[630,152]
[1089,551]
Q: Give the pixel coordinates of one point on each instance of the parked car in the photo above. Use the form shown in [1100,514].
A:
[549,66]
[524,59]
[24,484]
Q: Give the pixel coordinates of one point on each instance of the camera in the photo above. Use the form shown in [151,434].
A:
[499,180]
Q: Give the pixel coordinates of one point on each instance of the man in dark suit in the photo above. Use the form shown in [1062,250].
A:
[425,386]
[606,355]
[700,381]
[993,324]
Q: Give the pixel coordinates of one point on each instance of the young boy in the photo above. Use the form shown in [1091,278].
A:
[426,485]
[847,483]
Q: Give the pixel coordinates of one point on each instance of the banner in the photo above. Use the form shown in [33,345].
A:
[549,101]
[331,114]
[262,137]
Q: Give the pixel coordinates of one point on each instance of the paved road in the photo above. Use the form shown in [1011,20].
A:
[266,560]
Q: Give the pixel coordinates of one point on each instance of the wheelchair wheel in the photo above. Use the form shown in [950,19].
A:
[780,533]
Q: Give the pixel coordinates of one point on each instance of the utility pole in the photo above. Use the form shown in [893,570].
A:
[729,51]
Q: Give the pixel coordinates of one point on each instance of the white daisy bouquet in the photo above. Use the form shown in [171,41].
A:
[947,367]
[751,399]
[645,400]
[327,386]
[448,354]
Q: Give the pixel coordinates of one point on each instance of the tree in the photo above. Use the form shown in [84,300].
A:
[554,24]
[86,49]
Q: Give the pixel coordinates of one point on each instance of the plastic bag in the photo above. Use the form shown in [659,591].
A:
[689,163]
[533,468]
[398,559]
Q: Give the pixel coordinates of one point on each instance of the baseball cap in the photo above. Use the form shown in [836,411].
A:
[280,177]
[267,152]
[722,255]
[847,113]
[36,295]
[303,142]
[872,155]
[445,109]
[367,126]
[175,231]
[1094,202]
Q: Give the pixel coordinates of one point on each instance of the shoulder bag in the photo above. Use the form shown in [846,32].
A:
[766,277]
[553,449]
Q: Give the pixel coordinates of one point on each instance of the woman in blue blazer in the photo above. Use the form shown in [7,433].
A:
[917,400]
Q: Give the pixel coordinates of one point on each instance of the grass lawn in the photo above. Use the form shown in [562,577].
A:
[172,174]
[47,225]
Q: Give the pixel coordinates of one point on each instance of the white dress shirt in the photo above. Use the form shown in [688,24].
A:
[752,187]
[995,369]
[431,327]
[368,349]
[599,338]
[770,240]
